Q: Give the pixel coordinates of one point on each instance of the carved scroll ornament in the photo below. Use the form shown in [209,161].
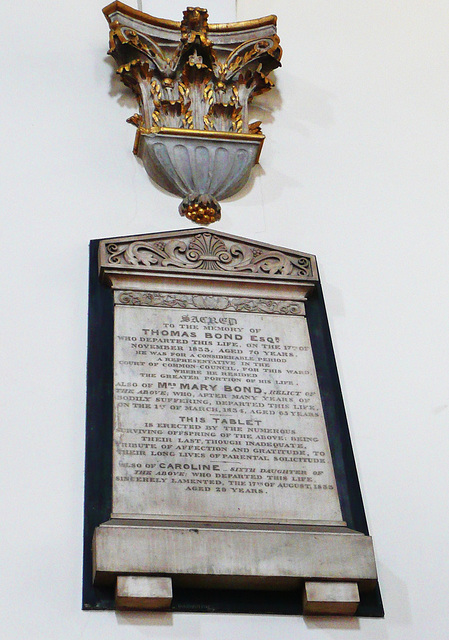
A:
[215,303]
[209,252]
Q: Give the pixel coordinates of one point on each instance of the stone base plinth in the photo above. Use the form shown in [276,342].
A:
[237,557]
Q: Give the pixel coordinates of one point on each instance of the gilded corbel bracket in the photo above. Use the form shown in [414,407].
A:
[194,82]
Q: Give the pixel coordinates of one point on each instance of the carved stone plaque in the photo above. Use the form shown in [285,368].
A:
[226,455]
[218,414]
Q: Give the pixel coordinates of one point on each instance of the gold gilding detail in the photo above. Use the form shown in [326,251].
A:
[209,95]
[170,111]
[201,215]
[201,133]
[194,25]
[156,90]
[199,87]
[219,27]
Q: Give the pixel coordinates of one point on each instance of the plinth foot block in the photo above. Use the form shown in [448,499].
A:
[330,598]
[143,592]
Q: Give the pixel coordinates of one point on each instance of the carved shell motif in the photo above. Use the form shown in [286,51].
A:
[209,252]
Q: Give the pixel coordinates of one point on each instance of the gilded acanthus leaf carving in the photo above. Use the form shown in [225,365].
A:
[194,81]
[195,62]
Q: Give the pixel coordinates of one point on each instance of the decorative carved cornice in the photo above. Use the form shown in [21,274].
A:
[215,303]
[205,254]
[218,28]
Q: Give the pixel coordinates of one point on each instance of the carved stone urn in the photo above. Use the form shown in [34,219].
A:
[194,82]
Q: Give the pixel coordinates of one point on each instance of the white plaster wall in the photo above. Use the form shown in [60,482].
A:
[354,169]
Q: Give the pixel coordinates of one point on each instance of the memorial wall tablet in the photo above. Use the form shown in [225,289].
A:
[219,470]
